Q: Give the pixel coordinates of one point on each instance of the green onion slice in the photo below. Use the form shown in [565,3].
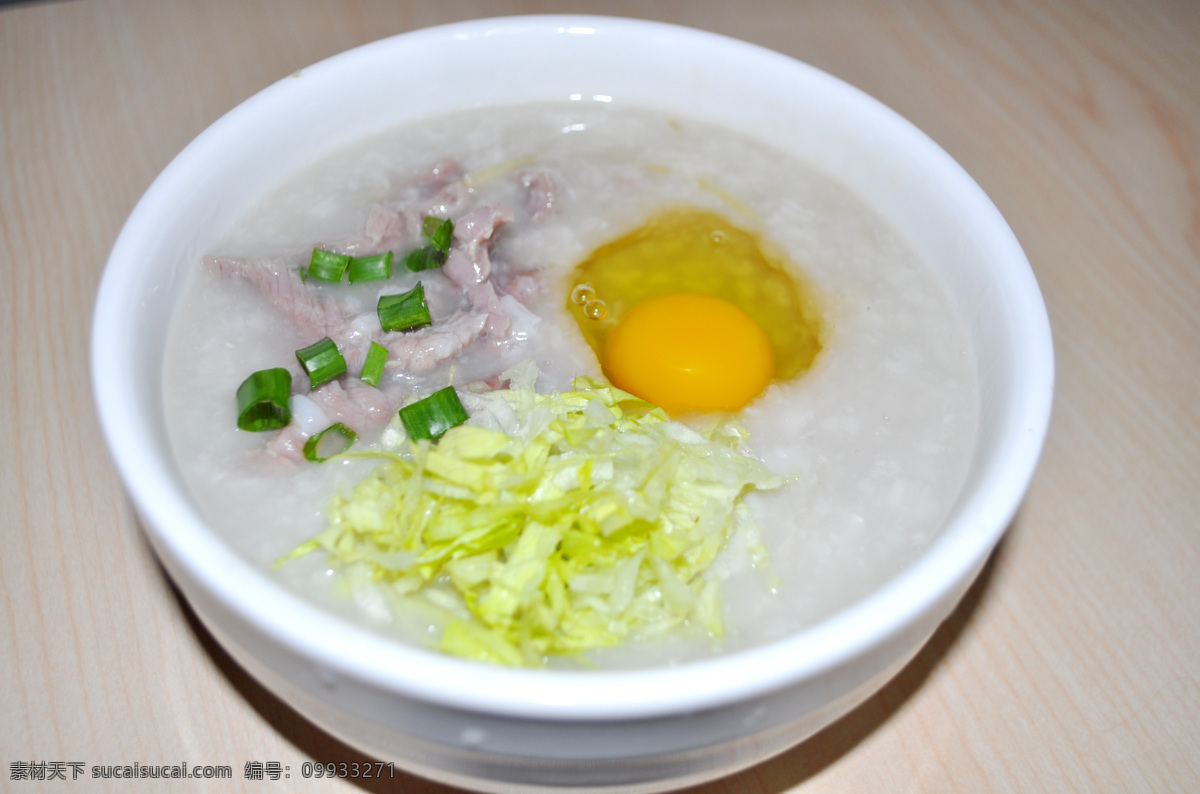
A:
[439,232]
[326,265]
[262,400]
[405,311]
[370,268]
[426,258]
[372,369]
[317,452]
[322,361]
[434,415]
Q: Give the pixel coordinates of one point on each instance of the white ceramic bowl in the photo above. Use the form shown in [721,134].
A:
[501,729]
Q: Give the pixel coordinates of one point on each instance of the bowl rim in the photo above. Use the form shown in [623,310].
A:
[175,527]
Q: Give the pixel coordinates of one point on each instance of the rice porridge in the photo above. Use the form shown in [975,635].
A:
[873,439]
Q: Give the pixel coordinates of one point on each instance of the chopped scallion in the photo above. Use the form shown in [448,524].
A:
[439,232]
[432,416]
[370,268]
[405,311]
[326,265]
[262,400]
[317,452]
[372,369]
[322,361]
[426,258]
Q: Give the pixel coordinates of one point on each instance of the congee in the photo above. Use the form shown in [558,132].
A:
[570,384]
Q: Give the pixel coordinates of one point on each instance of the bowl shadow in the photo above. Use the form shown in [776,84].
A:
[793,767]
[782,773]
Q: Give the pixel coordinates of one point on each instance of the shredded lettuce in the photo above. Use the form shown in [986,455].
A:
[550,524]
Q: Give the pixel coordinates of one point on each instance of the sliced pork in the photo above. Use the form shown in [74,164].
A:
[541,194]
[467,308]
[361,407]
[469,262]
[287,294]
[396,226]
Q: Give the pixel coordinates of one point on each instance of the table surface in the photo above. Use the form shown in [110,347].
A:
[1072,665]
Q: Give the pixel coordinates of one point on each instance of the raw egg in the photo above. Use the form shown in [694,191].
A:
[687,352]
[695,314]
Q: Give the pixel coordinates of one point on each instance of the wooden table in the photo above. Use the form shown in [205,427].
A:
[1072,665]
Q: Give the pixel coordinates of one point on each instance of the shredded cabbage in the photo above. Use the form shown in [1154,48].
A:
[550,524]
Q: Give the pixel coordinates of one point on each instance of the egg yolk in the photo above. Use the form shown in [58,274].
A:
[687,351]
[678,308]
